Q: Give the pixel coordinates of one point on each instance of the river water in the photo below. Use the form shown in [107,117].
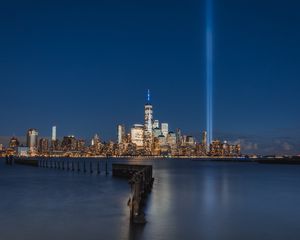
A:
[189,200]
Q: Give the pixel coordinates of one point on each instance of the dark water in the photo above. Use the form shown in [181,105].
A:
[190,200]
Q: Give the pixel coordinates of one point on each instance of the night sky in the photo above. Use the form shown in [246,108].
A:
[85,66]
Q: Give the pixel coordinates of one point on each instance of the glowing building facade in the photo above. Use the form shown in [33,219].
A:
[53,138]
[137,135]
[165,129]
[32,140]
[121,134]
[148,125]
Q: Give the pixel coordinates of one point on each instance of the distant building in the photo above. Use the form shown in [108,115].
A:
[216,148]
[204,138]
[14,142]
[178,137]
[190,140]
[171,139]
[1,147]
[22,151]
[69,143]
[43,145]
[156,132]
[53,138]
[155,124]
[121,134]
[165,129]
[137,135]
[162,140]
[95,140]
[55,145]
[32,140]
[80,145]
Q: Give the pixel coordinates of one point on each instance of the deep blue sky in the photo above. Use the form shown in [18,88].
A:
[85,66]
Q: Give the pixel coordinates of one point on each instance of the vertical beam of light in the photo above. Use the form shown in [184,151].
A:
[209,71]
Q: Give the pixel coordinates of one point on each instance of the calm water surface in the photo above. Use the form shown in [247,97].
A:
[190,200]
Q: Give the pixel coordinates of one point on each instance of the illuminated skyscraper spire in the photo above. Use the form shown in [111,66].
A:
[148,96]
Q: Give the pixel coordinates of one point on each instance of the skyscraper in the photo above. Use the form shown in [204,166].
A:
[165,129]
[155,124]
[53,133]
[204,138]
[43,145]
[148,125]
[32,139]
[121,133]
[178,136]
[137,135]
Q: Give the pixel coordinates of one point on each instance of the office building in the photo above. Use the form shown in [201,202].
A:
[165,129]
[43,145]
[204,138]
[32,140]
[137,135]
[121,134]
[155,124]
[14,142]
[53,138]
[156,132]
[69,143]
[148,125]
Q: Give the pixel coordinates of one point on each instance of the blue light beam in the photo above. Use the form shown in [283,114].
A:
[209,71]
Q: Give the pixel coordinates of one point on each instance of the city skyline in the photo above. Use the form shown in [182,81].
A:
[138,120]
[94,74]
[152,138]
[247,148]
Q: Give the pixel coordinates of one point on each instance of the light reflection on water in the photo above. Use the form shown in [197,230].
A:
[189,200]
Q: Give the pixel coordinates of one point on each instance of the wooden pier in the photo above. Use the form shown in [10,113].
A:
[139,176]
[141,181]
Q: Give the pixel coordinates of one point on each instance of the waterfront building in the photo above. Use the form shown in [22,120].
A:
[69,143]
[43,145]
[32,140]
[13,142]
[235,150]
[165,129]
[121,134]
[22,151]
[96,145]
[55,145]
[80,145]
[137,135]
[201,149]
[1,147]
[226,149]
[216,148]
[172,143]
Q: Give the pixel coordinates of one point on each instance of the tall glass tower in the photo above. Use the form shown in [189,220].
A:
[148,125]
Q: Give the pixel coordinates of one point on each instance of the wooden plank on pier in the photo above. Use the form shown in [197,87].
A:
[141,180]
